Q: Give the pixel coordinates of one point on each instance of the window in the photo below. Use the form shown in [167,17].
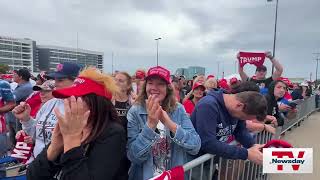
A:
[16,55]
[6,61]
[16,48]
[17,62]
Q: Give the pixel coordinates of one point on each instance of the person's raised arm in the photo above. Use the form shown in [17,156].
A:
[279,69]
[243,75]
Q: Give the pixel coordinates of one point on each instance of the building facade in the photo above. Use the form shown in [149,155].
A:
[191,71]
[50,56]
[25,53]
[181,71]
[195,70]
[18,53]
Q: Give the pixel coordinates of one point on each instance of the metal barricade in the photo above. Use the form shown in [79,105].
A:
[208,167]
[307,107]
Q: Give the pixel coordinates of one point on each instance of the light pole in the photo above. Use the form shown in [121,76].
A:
[317,59]
[317,71]
[275,32]
[157,50]
[222,70]
[218,62]
[78,47]
[112,63]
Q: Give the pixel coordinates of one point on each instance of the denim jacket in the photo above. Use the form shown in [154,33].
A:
[141,138]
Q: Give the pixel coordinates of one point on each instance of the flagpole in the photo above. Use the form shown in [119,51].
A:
[275,34]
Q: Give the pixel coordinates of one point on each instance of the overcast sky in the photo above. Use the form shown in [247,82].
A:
[193,32]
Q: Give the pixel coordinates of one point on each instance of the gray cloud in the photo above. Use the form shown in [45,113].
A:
[193,32]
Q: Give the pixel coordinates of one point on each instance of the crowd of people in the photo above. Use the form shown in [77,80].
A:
[85,124]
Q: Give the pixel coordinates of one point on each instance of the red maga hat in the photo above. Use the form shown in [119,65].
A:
[233,80]
[83,86]
[277,143]
[210,76]
[140,74]
[198,84]
[160,72]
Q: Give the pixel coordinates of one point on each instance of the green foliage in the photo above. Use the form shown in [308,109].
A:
[4,68]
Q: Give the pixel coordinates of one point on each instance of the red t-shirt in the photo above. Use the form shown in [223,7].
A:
[188,106]
[287,96]
[35,103]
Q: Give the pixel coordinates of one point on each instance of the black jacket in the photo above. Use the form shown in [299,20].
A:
[273,108]
[101,160]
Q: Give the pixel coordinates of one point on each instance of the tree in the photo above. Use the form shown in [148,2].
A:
[4,68]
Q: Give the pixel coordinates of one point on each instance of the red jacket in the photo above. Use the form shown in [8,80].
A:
[188,106]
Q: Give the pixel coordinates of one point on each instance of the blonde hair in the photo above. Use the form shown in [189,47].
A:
[211,83]
[101,78]
[201,79]
[129,81]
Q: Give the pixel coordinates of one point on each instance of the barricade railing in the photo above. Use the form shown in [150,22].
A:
[207,166]
[307,107]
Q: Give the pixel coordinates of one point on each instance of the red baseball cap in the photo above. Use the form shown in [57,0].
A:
[6,76]
[287,81]
[160,72]
[83,86]
[198,84]
[233,80]
[210,76]
[278,143]
[223,84]
[140,74]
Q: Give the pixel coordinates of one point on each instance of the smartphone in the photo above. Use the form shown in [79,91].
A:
[292,105]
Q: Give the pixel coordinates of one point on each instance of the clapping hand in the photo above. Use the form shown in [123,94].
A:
[154,111]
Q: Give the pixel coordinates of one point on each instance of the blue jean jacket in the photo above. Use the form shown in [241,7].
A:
[141,138]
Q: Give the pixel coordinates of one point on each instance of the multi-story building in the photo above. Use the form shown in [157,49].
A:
[195,70]
[191,71]
[50,56]
[24,53]
[181,71]
[18,53]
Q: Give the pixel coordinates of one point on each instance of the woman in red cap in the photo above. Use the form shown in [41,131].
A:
[198,79]
[88,140]
[198,91]
[160,133]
